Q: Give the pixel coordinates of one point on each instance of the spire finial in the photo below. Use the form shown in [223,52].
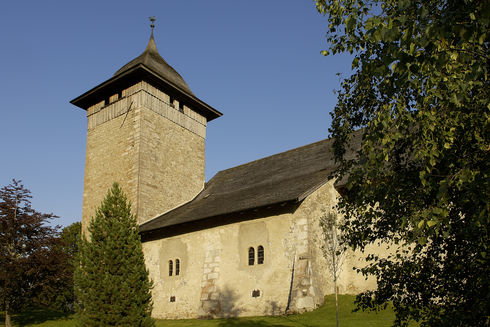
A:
[152,24]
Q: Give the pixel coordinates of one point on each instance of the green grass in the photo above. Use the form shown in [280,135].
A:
[322,317]
[40,317]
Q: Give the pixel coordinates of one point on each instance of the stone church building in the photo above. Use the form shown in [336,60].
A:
[247,242]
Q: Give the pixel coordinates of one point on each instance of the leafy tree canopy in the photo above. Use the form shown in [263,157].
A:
[57,291]
[419,93]
[26,243]
[111,283]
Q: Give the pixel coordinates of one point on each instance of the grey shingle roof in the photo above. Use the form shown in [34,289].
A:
[152,68]
[284,177]
[152,60]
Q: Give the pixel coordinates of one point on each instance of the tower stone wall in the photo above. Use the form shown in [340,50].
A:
[153,148]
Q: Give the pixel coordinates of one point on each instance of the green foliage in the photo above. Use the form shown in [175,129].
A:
[111,284]
[61,295]
[28,256]
[70,238]
[332,244]
[419,92]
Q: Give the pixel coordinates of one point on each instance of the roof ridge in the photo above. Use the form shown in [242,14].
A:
[254,185]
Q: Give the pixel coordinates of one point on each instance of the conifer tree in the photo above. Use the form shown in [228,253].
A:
[111,283]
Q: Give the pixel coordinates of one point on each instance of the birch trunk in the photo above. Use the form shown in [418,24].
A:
[337,322]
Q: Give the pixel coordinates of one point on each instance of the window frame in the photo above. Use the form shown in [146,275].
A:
[260,255]
[251,256]
[170,268]
[177,267]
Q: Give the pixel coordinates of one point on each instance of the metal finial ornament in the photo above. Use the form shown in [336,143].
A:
[152,20]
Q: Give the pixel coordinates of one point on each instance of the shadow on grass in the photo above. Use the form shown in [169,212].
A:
[248,323]
[35,316]
[295,321]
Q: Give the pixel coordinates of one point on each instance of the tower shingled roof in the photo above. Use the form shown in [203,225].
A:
[152,68]
[152,60]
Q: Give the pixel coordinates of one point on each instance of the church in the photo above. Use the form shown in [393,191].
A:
[245,243]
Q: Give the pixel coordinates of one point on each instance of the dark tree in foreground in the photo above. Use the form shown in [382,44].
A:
[112,285]
[70,239]
[420,93]
[26,244]
[57,292]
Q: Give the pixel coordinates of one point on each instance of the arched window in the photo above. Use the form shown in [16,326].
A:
[251,256]
[170,267]
[177,267]
[260,255]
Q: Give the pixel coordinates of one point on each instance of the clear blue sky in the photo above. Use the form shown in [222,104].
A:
[256,61]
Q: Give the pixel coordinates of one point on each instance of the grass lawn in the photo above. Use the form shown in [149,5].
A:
[322,317]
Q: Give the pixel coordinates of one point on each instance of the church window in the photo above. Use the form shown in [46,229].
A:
[255,293]
[170,267]
[172,299]
[177,267]
[260,255]
[251,256]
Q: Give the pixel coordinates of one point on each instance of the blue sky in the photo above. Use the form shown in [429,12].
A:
[258,62]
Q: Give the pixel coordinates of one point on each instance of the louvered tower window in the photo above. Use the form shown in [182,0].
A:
[170,267]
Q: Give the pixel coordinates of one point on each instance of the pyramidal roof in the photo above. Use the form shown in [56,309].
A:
[152,60]
[152,68]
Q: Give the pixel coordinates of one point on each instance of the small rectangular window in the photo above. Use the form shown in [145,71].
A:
[172,299]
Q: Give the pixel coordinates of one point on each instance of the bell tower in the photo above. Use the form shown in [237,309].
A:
[146,130]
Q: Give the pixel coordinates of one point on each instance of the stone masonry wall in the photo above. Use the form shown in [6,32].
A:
[154,150]
[218,282]
[111,157]
[171,163]
[349,281]
[210,295]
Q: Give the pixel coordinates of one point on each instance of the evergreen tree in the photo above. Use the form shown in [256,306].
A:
[111,283]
